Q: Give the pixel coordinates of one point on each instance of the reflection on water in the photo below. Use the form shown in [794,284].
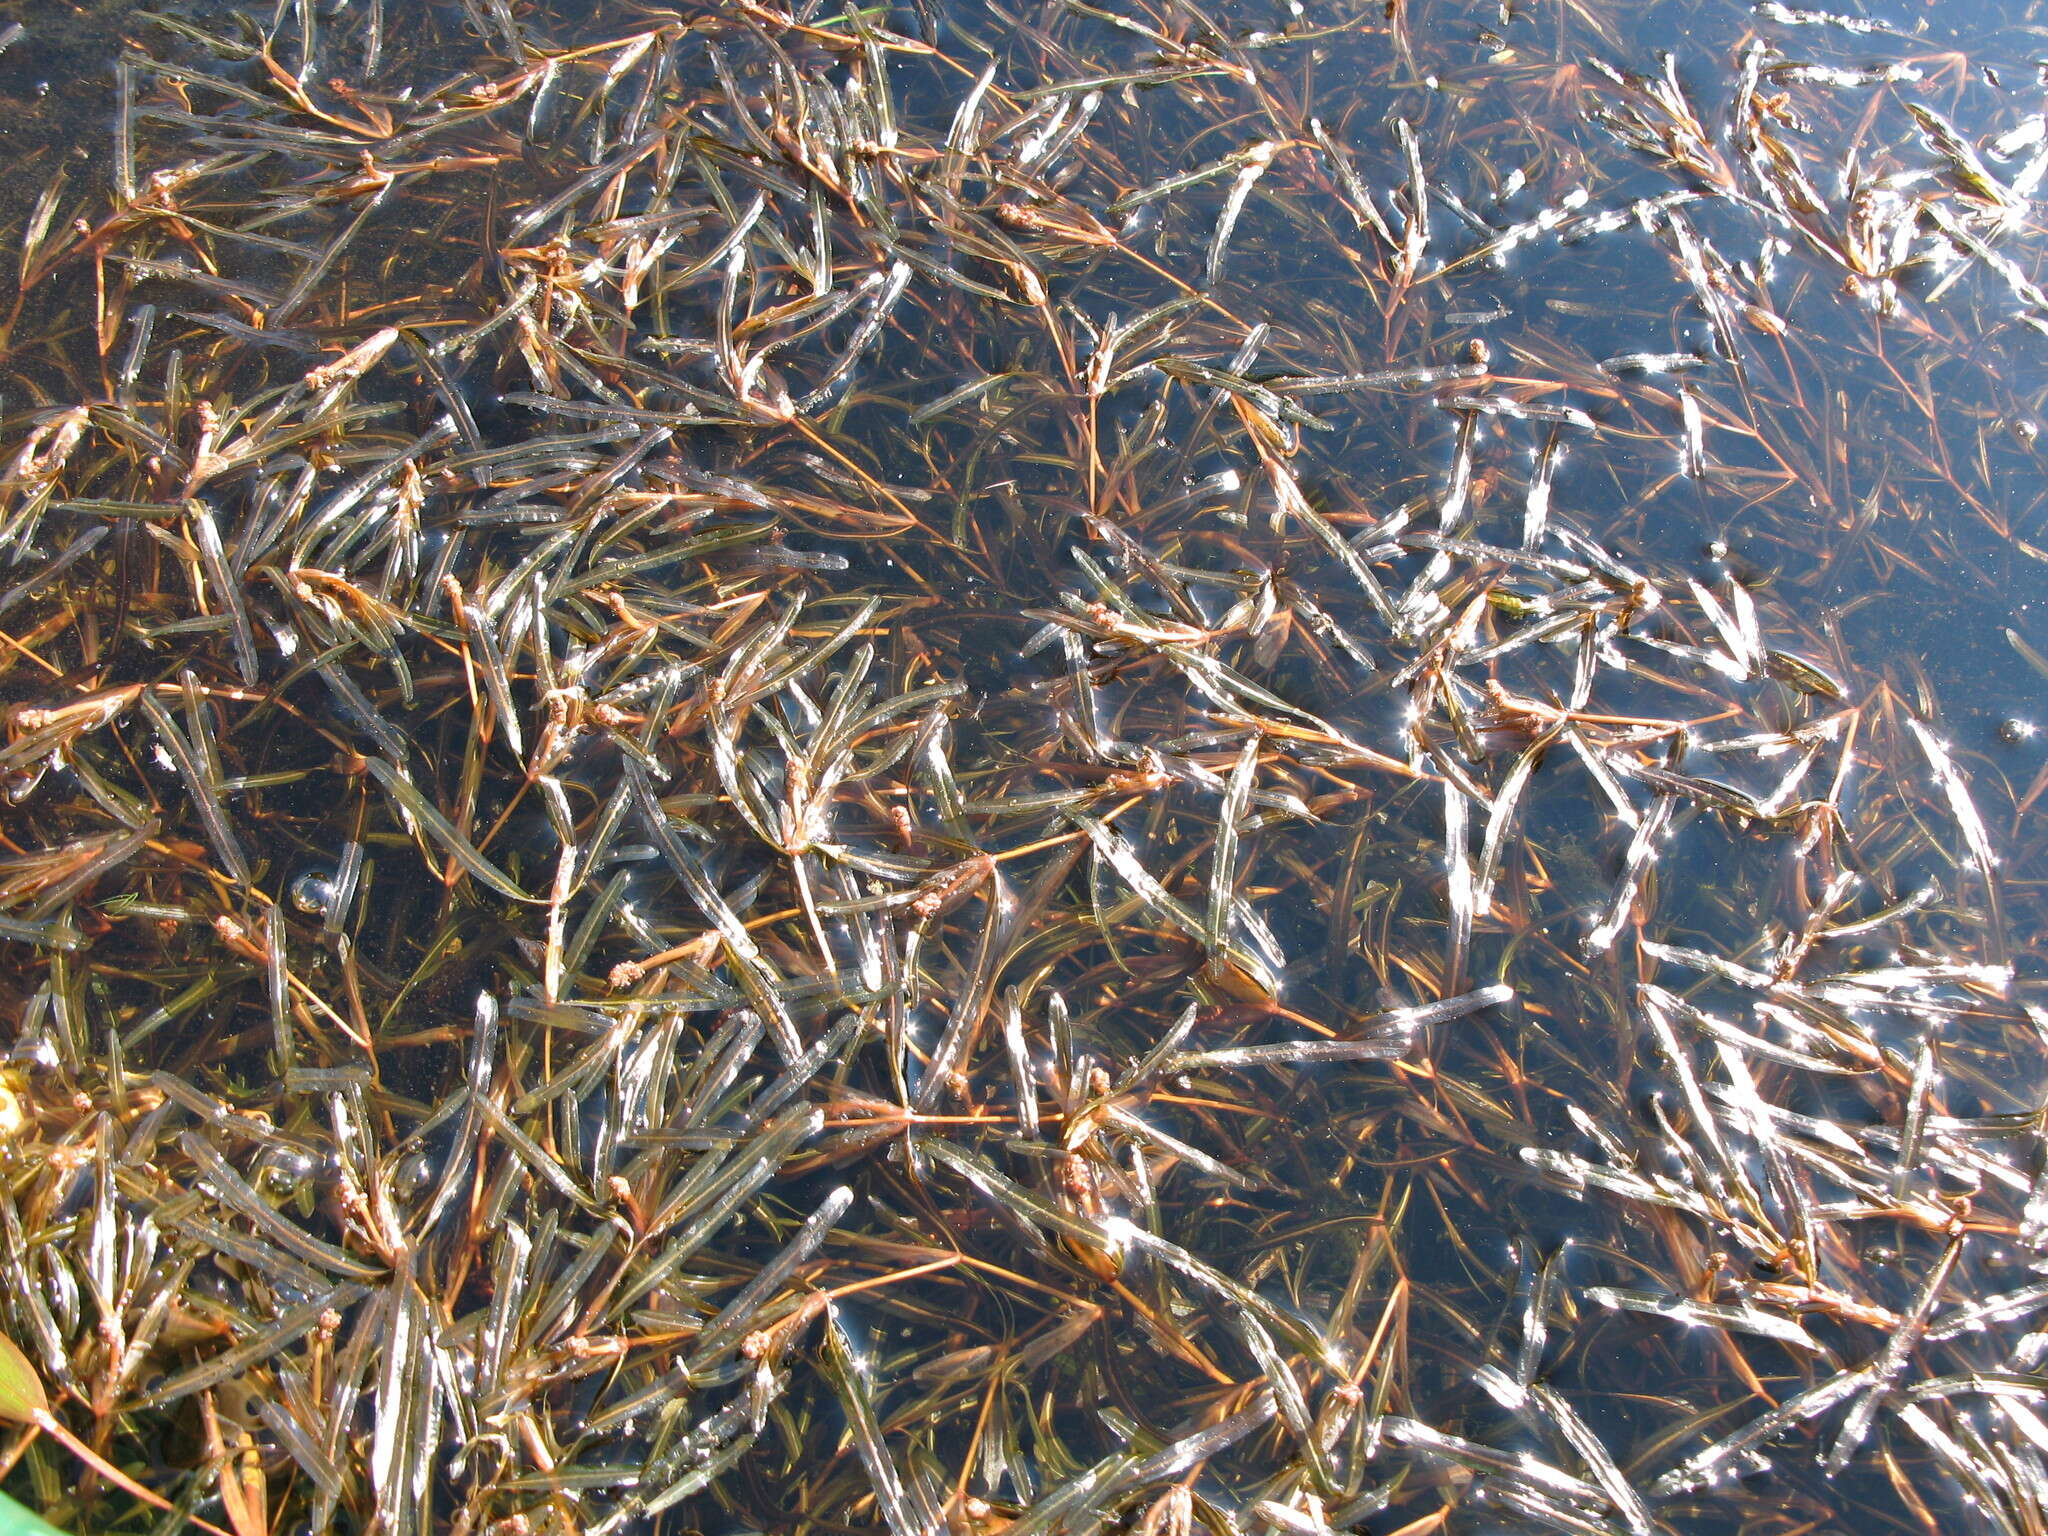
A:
[1024,770]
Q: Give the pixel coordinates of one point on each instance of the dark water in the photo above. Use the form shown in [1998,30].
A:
[1859,463]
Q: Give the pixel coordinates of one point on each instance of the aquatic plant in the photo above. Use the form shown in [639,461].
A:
[781,770]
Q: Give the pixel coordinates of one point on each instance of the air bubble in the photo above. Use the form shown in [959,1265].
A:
[313,892]
[412,1174]
[281,1173]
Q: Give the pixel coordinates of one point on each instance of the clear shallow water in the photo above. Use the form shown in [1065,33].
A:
[1867,479]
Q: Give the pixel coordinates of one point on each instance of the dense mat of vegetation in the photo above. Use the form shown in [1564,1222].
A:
[1017,771]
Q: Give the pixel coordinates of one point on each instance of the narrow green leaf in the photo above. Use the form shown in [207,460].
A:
[406,795]
[22,1399]
[18,1520]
